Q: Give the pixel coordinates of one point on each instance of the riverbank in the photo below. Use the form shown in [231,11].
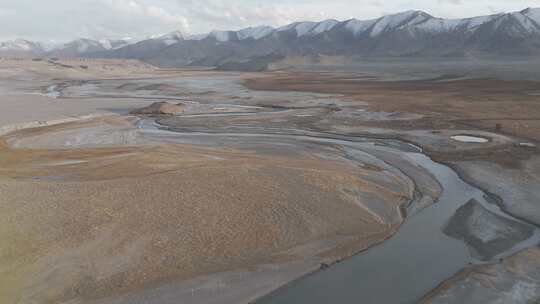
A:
[503,166]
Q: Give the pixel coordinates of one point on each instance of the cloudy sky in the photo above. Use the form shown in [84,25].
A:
[61,20]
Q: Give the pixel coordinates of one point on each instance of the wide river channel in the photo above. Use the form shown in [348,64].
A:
[400,270]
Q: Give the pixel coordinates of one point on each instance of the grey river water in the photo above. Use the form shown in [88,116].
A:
[400,270]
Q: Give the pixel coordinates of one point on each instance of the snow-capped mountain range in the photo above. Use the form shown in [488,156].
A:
[20,46]
[24,48]
[411,33]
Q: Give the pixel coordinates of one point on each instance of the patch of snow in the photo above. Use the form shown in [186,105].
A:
[81,45]
[426,23]
[106,44]
[528,24]
[121,43]
[171,38]
[301,28]
[22,45]
[53,91]
[469,139]
[310,28]
[323,26]
[255,32]
[532,13]
[287,27]
[517,24]
[437,25]
[169,42]
[357,27]
[19,45]
[222,36]
[397,20]
[473,23]
[197,37]
[109,44]
[176,35]
[417,20]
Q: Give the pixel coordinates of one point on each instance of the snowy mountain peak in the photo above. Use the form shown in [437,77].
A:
[407,26]
[517,24]
[399,20]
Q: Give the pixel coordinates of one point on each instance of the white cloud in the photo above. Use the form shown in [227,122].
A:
[6,12]
[210,15]
[137,8]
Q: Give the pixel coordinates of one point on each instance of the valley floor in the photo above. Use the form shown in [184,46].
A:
[264,178]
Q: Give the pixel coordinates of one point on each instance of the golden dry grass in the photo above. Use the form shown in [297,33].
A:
[470,103]
[130,217]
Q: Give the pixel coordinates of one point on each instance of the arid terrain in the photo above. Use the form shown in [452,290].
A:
[124,183]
